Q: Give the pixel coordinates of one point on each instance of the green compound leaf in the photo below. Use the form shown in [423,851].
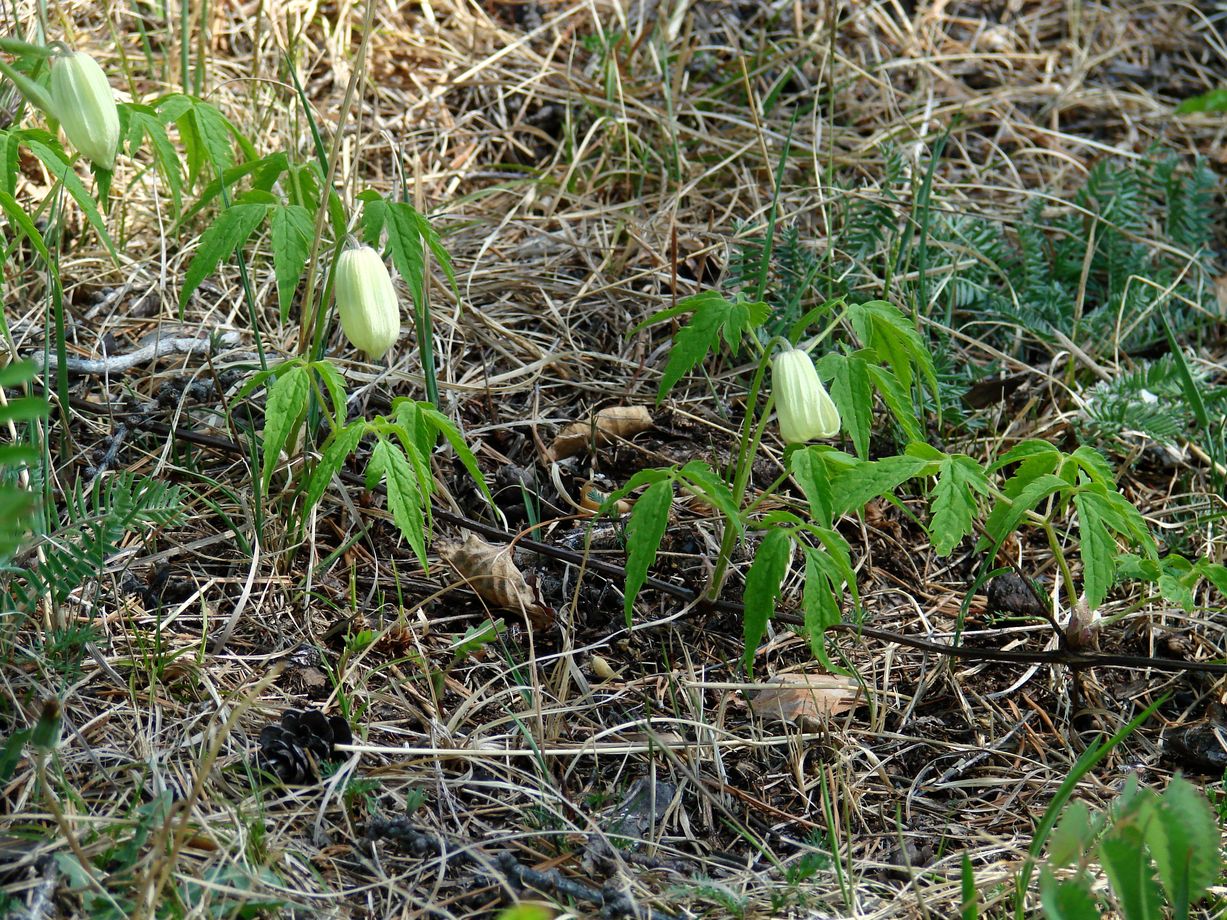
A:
[404,501]
[644,531]
[1097,548]
[1184,841]
[231,230]
[691,345]
[291,230]
[284,410]
[714,316]
[891,336]
[959,480]
[855,487]
[763,582]
[208,136]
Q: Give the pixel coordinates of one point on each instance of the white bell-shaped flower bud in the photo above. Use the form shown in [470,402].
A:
[84,103]
[805,411]
[366,301]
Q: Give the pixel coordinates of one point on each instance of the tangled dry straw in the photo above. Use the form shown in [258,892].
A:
[589,163]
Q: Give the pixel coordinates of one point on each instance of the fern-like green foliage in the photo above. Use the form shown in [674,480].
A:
[97,519]
[1147,227]
[1150,401]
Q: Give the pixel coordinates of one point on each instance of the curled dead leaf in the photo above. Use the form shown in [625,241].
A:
[491,571]
[609,423]
[805,699]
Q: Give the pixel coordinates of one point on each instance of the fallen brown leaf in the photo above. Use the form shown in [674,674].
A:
[805,699]
[491,571]
[612,422]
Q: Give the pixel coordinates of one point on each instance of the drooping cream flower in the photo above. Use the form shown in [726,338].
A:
[804,409]
[366,301]
[84,103]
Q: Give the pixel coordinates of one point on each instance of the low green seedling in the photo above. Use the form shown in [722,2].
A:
[1158,852]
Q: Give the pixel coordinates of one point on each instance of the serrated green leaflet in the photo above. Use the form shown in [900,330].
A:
[644,531]
[1046,457]
[1097,549]
[405,241]
[763,582]
[954,506]
[820,603]
[443,426]
[853,488]
[852,395]
[269,167]
[1124,859]
[714,316]
[897,401]
[284,409]
[1006,516]
[404,502]
[881,328]
[290,230]
[226,234]
[140,122]
[339,446]
[704,483]
[810,471]
[1184,840]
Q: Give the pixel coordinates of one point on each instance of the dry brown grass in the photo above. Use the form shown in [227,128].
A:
[564,179]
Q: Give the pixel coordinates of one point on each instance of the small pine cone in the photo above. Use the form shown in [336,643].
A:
[293,750]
